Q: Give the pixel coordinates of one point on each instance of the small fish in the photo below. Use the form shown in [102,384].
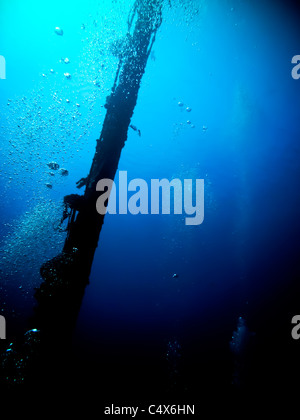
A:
[175,276]
[64,172]
[136,129]
[58,31]
[53,165]
[48,185]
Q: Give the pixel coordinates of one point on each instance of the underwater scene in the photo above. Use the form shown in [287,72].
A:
[149,187]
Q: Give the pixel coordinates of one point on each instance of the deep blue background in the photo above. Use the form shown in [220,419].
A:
[231,63]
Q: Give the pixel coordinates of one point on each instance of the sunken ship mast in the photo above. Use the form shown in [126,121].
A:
[42,354]
[66,276]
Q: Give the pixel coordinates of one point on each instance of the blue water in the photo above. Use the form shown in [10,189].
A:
[230,62]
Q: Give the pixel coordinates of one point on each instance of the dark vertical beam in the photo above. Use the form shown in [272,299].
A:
[66,275]
[41,356]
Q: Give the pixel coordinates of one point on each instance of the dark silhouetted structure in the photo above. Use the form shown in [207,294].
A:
[66,276]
